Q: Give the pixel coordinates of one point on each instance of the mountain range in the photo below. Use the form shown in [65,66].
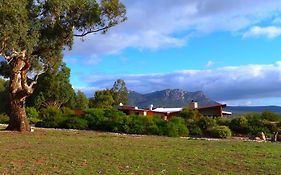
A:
[177,98]
[172,98]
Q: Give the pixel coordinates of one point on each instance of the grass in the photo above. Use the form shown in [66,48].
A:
[84,152]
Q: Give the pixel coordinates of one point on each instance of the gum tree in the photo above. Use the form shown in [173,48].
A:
[33,35]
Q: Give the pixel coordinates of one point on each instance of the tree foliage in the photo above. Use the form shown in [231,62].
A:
[102,99]
[120,92]
[53,89]
[81,101]
[34,33]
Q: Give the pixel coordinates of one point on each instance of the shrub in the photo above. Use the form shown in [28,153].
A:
[51,118]
[67,111]
[137,124]
[181,127]
[194,129]
[206,122]
[252,116]
[279,125]
[239,125]
[75,123]
[256,126]
[219,132]
[270,116]
[32,115]
[4,118]
[173,128]
[223,121]
[186,113]
[95,119]
[272,126]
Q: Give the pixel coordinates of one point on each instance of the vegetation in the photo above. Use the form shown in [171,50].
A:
[53,89]
[219,132]
[80,152]
[108,98]
[120,92]
[33,35]
[4,96]
[81,101]
[102,99]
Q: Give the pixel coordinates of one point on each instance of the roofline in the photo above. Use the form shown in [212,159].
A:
[213,106]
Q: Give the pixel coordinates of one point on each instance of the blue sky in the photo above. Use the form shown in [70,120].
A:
[231,50]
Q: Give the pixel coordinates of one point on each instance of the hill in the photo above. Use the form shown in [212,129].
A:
[168,98]
[237,110]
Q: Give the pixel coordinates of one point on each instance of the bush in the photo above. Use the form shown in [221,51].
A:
[239,125]
[51,118]
[186,113]
[270,116]
[219,132]
[67,111]
[95,118]
[75,123]
[205,123]
[194,129]
[256,126]
[223,121]
[32,115]
[271,126]
[173,128]
[116,121]
[137,124]
[4,118]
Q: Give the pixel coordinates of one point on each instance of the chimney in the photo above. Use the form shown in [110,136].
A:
[193,105]
[151,107]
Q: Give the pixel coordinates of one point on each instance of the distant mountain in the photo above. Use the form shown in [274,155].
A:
[238,110]
[168,98]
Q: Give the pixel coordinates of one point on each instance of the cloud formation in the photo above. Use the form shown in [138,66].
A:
[223,84]
[268,32]
[165,23]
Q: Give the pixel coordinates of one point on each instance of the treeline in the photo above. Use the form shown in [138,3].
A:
[53,89]
[188,123]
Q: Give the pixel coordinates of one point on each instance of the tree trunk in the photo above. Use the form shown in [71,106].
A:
[19,91]
[18,117]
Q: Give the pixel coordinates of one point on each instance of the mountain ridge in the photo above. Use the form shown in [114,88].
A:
[169,98]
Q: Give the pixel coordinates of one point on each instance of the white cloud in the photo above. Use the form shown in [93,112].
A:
[169,23]
[223,84]
[268,32]
[210,63]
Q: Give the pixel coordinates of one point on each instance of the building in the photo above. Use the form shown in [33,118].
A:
[168,113]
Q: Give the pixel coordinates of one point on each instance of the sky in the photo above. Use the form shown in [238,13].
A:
[230,50]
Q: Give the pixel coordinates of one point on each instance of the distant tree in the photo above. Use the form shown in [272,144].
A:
[120,92]
[102,99]
[81,101]
[53,89]
[34,33]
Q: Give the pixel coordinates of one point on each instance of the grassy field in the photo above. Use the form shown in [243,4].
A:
[82,152]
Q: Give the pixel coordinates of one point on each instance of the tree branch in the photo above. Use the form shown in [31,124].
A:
[92,31]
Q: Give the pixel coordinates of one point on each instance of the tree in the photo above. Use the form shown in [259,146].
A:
[120,92]
[53,89]
[102,99]
[33,34]
[81,101]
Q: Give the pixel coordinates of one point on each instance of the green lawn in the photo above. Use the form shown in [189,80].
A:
[82,152]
